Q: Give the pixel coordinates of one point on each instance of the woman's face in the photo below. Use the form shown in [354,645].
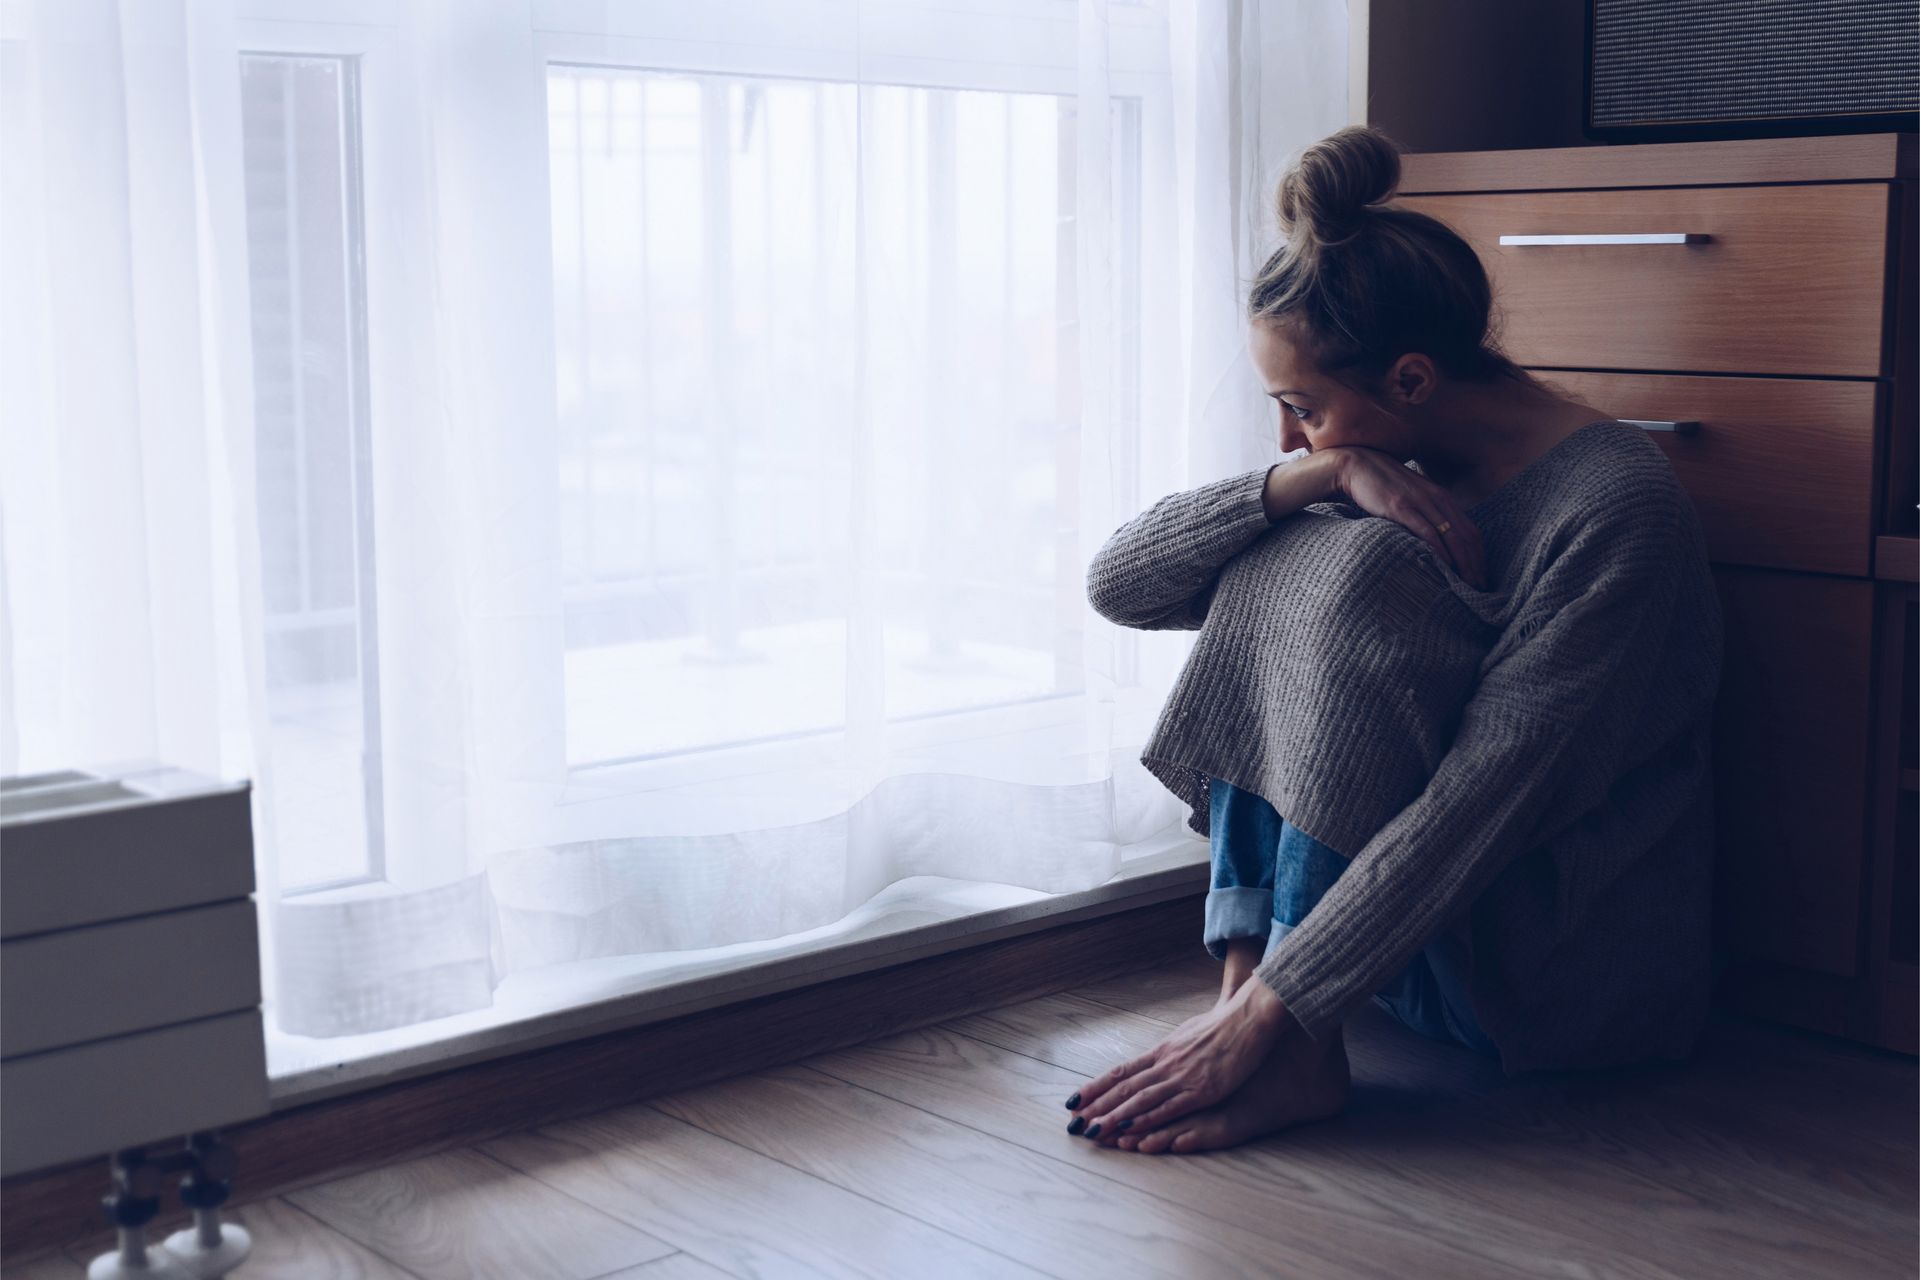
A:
[1315,411]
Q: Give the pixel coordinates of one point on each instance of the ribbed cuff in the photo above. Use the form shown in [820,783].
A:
[1240,506]
[1311,1017]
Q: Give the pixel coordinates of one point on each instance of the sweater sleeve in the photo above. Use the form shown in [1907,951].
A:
[1158,571]
[1558,699]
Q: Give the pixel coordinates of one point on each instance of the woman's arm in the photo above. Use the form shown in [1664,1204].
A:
[1556,718]
[1157,572]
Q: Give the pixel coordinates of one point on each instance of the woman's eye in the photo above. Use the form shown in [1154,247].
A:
[1297,411]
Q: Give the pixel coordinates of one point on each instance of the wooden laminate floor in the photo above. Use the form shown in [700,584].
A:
[944,1152]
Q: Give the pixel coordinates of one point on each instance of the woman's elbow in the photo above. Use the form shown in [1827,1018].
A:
[1113,600]
[1108,597]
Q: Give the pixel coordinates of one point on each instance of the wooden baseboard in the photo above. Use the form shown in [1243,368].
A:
[411,1118]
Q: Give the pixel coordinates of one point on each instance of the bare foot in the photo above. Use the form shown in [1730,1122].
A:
[1301,1080]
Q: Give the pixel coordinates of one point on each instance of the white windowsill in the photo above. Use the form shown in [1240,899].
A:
[911,920]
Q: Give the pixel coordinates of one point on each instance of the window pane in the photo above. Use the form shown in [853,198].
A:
[303,229]
[708,337]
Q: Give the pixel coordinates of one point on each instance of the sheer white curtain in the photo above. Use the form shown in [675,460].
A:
[619,476]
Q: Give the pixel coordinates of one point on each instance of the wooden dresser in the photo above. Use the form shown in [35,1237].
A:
[1766,336]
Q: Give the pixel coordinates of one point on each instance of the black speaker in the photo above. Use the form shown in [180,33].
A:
[1681,70]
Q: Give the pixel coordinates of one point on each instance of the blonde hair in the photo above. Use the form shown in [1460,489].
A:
[1359,282]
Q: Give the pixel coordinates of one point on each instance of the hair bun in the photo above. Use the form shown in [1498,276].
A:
[1325,194]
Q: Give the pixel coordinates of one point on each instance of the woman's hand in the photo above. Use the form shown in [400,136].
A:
[1205,1059]
[1382,485]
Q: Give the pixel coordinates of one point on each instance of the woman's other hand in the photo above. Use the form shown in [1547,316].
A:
[1382,485]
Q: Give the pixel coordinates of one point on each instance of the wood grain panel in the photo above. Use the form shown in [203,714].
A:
[1790,767]
[285,1242]
[1793,281]
[1897,559]
[1539,1176]
[426,1114]
[462,1216]
[735,1209]
[1769,1152]
[289,1242]
[1658,1137]
[1303,1190]
[1850,1135]
[1899,1022]
[1890,1017]
[1781,470]
[1659,1099]
[677,1266]
[52,1266]
[1171,992]
[1744,162]
[1901,469]
[1055,1215]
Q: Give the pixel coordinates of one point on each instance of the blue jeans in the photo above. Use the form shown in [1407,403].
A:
[1267,874]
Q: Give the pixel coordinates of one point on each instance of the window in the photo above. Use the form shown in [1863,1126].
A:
[706,314]
[300,131]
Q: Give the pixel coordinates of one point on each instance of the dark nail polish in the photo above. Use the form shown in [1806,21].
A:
[1094,1132]
[1079,1123]
[1073,1102]
[1124,1125]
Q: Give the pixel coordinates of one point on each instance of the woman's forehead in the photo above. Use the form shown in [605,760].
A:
[1284,368]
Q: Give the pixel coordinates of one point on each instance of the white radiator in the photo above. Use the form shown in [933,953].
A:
[129,962]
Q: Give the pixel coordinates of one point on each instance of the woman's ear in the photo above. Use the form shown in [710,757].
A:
[1412,378]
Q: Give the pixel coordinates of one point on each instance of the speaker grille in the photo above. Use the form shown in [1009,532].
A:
[1674,61]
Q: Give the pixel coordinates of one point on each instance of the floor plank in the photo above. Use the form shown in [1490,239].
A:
[1309,1207]
[50,1266]
[1585,1150]
[464,1216]
[943,1152]
[675,1266]
[286,1242]
[1843,1112]
[1057,1215]
[734,1208]
[1172,993]
[290,1242]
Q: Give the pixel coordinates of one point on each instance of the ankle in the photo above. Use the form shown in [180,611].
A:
[1243,955]
[1328,1053]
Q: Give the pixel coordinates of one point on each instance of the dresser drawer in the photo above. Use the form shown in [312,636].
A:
[1780,469]
[1792,280]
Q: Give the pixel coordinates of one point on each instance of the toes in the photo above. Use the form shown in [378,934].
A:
[1165,1111]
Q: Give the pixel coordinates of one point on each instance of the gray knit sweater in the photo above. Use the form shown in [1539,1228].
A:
[1526,768]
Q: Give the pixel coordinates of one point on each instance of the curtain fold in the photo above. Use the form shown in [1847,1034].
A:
[619,487]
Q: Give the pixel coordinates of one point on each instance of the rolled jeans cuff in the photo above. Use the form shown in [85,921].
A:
[1236,911]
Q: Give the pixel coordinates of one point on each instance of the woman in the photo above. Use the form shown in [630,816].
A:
[1450,710]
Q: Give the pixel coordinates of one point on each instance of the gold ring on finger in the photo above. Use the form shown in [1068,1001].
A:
[1445,525]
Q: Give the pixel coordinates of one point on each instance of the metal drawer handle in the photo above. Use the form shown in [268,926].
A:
[1688,428]
[1651,237]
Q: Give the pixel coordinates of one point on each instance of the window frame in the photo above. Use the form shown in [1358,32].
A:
[369,52]
[564,33]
